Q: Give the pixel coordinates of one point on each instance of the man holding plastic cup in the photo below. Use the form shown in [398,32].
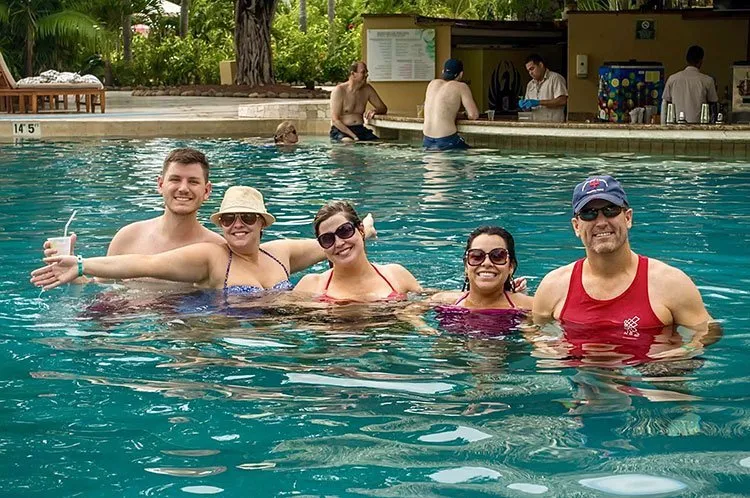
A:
[184,185]
[546,94]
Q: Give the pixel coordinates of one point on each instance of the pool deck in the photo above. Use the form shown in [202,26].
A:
[141,117]
[713,141]
[147,117]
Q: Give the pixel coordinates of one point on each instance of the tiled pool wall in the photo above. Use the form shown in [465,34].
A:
[670,147]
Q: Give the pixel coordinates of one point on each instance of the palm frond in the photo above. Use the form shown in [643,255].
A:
[68,24]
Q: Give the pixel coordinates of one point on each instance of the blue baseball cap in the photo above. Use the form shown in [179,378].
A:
[598,187]
[451,68]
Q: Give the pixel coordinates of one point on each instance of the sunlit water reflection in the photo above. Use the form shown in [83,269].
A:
[154,392]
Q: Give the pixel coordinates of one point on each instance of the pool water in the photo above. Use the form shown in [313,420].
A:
[136,392]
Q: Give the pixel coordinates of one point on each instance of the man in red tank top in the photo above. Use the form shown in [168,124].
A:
[614,305]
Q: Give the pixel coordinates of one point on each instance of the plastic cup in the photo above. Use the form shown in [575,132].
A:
[491,115]
[61,245]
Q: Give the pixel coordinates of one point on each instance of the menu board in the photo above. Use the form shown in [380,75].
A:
[401,54]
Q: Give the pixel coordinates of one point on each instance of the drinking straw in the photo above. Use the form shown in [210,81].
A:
[65,234]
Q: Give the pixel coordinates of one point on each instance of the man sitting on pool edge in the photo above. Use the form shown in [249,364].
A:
[442,102]
[348,103]
[615,287]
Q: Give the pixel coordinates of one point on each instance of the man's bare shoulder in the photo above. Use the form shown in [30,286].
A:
[665,275]
[211,236]
[552,292]
[561,274]
[135,230]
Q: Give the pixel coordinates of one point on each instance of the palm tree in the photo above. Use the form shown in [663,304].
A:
[30,20]
[252,41]
[303,16]
[184,14]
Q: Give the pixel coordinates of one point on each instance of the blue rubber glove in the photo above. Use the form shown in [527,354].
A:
[522,104]
[531,103]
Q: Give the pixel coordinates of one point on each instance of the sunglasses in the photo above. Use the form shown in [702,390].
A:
[475,257]
[227,219]
[590,214]
[345,231]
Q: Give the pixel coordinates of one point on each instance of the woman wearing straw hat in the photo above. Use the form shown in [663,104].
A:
[352,276]
[240,266]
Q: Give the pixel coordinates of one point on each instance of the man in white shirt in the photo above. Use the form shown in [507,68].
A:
[689,89]
[546,94]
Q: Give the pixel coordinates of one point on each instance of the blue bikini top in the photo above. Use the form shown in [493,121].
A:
[235,290]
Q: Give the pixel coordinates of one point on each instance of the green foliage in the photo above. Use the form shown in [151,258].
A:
[172,61]
[50,29]
[320,54]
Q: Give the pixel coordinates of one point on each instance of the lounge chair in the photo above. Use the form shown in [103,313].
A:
[88,93]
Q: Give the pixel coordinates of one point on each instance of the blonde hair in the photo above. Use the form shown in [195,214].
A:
[281,130]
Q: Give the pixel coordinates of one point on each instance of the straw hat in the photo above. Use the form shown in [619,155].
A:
[243,200]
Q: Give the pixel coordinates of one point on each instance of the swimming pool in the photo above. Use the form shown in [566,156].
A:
[157,400]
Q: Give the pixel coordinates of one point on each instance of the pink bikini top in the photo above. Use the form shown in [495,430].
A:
[394,295]
[463,298]
[481,322]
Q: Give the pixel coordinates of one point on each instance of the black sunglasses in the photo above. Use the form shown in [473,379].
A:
[227,219]
[345,231]
[590,214]
[498,256]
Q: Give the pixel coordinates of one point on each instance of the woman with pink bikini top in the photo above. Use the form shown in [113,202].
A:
[352,277]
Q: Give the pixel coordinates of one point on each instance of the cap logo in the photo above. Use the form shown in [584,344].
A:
[594,185]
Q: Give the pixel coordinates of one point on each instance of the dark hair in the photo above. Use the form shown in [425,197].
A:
[694,55]
[508,238]
[186,155]
[535,58]
[333,208]
[354,66]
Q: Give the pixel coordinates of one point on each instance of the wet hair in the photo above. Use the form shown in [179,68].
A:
[333,208]
[535,58]
[281,130]
[509,242]
[694,55]
[186,155]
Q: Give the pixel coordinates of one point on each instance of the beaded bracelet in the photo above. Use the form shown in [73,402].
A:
[79,259]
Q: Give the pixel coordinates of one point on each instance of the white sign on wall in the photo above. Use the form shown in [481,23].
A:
[401,54]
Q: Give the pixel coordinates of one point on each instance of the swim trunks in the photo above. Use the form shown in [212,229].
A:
[451,142]
[363,133]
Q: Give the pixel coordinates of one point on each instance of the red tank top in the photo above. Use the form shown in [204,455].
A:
[627,323]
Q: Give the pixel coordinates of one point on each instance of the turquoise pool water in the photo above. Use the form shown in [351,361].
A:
[154,399]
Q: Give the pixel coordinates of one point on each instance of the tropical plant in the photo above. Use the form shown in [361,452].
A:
[29,21]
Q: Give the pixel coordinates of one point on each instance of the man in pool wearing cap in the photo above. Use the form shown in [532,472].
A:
[442,102]
[614,298]
[348,102]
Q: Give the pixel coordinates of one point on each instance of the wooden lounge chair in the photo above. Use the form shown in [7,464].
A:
[90,94]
